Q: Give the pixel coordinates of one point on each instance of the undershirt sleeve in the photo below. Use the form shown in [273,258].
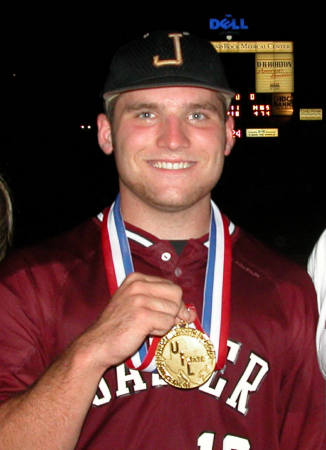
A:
[317,271]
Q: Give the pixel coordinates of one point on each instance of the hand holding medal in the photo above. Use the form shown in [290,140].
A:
[185,356]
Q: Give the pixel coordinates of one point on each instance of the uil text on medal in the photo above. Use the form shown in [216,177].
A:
[185,357]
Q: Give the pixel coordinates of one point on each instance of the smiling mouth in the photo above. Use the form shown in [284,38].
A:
[171,165]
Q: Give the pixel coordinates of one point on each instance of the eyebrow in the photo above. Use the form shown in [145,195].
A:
[155,106]
[139,106]
[207,106]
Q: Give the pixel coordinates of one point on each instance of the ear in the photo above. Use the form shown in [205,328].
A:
[230,140]
[104,135]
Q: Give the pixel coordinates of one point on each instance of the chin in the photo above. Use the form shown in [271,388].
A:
[166,199]
[176,203]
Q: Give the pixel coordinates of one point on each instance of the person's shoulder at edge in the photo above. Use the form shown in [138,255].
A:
[266,262]
[80,242]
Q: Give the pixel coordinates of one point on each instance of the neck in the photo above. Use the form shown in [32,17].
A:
[191,222]
[186,223]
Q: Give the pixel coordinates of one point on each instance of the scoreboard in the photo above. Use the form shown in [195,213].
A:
[256,109]
[270,88]
[253,116]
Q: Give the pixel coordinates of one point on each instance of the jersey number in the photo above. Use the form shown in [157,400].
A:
[206,442]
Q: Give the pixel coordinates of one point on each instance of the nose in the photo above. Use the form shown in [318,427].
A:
[173,134]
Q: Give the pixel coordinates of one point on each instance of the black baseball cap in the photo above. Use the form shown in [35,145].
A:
[165,58]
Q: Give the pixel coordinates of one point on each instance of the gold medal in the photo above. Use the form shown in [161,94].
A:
[185,357]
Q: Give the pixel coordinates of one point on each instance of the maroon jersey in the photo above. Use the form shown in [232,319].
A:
[270,395]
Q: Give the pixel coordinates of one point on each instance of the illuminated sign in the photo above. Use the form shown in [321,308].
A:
[274,72]
[311,114]
[234,111]
[261,132]
[237,133]
[282,105]
[261,110]
[253,46]
[227,23]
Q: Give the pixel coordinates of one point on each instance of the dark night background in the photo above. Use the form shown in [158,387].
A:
[52,71]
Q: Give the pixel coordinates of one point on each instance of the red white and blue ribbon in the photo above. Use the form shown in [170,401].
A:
[216,299]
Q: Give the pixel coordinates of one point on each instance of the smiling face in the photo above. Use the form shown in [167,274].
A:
[169,146]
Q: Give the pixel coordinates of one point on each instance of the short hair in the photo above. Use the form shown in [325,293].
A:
[6,218]
[109,105]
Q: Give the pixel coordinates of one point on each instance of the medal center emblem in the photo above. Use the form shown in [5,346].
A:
[185,357]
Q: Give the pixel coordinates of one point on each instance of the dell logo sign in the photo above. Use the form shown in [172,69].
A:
[228,23]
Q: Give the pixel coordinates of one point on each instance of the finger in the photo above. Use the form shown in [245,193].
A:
[153,287]
[165,322]
[161,324]
[186,314]
[149,304]
[137,276]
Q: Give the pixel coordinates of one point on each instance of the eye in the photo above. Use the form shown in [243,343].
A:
[197,116]
[146,115]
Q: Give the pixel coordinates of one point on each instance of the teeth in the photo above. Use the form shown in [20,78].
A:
[171,166]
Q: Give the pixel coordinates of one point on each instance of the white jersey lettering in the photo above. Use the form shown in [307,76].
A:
[206,442]
[235,443]
[124,377]
[130,381]
[157,380]
[240,395]
[217,390]
[105,396]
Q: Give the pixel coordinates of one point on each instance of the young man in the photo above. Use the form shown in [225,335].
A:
[104,330]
